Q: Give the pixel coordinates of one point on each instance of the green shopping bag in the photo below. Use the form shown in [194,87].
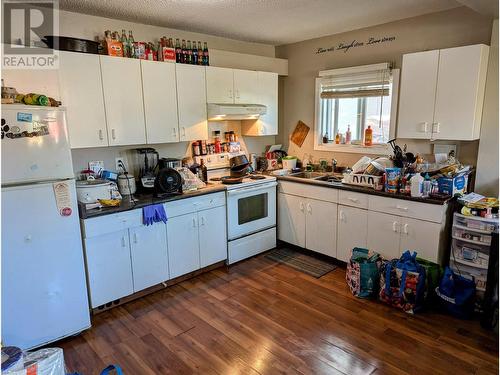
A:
[433,274]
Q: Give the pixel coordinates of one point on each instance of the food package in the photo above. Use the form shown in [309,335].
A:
[48,361]
[189,180]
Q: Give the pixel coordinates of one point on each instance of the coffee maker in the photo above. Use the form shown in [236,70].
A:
[146,163]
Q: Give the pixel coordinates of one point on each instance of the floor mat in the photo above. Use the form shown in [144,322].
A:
[301,262]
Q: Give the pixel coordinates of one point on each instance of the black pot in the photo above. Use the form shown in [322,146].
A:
[241,171]
[64,43]
[238,161]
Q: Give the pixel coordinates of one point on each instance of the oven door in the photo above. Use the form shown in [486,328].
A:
[251,209]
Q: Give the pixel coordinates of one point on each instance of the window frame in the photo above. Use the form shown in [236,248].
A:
[380,149]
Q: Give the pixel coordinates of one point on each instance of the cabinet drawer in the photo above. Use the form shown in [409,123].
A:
[349,198]
[111,223]
[190,205]
[400,207]
[309,191]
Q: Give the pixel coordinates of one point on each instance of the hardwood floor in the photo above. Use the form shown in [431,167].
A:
[259,317]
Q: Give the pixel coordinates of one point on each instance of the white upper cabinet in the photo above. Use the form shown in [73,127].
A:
[268,95]
[220,85]
[460,92]
[192,102]
[81,89]
[246,86]
[160,102]
[122,86]
[418,94]
[442,93]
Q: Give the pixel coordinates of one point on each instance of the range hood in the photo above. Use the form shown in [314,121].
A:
[223,112]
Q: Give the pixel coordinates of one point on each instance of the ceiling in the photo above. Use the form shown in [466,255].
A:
[273,22]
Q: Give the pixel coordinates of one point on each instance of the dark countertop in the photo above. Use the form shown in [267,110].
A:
[146,200]
[361,189]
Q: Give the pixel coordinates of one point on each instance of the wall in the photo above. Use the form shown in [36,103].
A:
[456,27]
[487,160]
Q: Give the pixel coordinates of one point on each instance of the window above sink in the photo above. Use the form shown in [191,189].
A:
[355,98]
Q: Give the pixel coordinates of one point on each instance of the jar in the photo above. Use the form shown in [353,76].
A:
[196,148]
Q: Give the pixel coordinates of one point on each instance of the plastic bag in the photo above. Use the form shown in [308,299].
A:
[189,180]
[48,361]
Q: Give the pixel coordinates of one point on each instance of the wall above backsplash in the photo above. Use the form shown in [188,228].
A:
[456,27]
[81,157]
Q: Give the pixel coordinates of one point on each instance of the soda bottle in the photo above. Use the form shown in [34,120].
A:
[205,54]
[131,44]
[195,54]
[178,51]
[189,53]
[125,44]
[184,52]
[200,54]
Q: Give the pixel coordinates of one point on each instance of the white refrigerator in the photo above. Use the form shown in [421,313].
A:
[44,291]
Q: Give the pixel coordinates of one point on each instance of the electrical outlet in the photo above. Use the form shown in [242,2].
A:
[120,164]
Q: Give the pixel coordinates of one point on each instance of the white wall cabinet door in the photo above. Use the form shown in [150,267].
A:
[183,244]
[246,86]
[212,236]
[160,102]
[148,249]
[109,267]
[417,94]
[81,93]
[291,219]
[219,85]
[321,227]
[460,92]
[422,237]
[268,95]
[192,102]
[122,86]
[352,230]
[383,234]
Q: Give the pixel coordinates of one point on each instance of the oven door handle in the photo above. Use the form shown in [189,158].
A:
[250,189]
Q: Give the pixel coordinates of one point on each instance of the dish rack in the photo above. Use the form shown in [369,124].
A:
[470,250]
[366,180]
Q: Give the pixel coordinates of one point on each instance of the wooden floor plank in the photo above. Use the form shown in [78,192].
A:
[261,317]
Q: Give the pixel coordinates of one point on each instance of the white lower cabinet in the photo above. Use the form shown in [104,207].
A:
[183,247]
[148,250]
[109,267]
[212,236]
[291,219]
[308,223]
[383,234]
[352,230]
[321,227]
[421,236]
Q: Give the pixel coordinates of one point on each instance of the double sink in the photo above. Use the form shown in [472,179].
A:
[334,179]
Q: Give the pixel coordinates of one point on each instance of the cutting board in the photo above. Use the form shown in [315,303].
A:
[300,133]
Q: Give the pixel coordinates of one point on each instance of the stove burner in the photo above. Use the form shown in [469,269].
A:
[257,177]
[216,179]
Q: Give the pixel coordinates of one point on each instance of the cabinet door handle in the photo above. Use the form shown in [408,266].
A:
[342,216]
[402,208]
[175,132]
[183,132]
[394,226]
[113,135]
[423,127]
[202,220]
[123,241]
[100,135]
[135,237]
[301,206]
[405,228]
[237,94]
[436,127]
[355,200]
[194,222]
[309,208]
[230,94]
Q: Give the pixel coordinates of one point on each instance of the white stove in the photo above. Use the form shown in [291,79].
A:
[251,211]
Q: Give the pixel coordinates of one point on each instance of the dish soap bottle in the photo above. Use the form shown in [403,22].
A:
[337,139]
[368,136]
[348,135]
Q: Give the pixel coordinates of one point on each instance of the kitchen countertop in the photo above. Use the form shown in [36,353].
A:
[361,189]
[144,200]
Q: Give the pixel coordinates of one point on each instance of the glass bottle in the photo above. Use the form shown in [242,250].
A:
[178,51]
[131,44]
[189,53]
[184,52]
[205,54]
[200,54]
